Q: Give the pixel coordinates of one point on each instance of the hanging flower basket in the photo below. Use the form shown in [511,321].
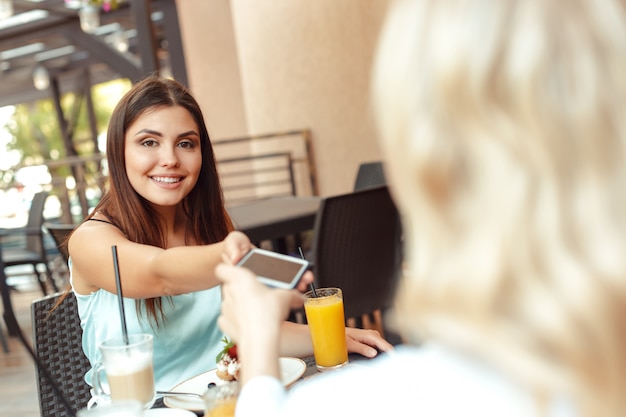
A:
[105,5]
[89,11]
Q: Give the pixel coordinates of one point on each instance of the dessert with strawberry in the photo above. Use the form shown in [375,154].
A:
[227,362]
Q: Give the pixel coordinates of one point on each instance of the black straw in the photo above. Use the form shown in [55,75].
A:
[312,285]
[120,297]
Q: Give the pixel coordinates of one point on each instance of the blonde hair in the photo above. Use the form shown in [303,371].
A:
[504,125]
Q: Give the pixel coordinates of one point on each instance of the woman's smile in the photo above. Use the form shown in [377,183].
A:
[167,180]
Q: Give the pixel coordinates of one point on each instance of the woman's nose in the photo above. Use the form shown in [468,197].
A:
[169,157]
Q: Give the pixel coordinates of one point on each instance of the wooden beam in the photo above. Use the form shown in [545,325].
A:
[147,47]
[63,125]
[103,53]
[174,42]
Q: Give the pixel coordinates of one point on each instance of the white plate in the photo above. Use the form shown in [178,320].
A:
[290,370]
[168,412]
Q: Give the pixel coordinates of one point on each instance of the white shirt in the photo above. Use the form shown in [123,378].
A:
[424,381]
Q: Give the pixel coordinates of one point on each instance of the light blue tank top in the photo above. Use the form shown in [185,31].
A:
[185,344]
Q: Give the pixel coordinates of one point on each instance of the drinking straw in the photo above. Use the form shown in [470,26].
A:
[120,297]
[312,284]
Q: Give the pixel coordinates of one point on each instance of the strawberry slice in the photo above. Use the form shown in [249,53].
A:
[232,351]
[229,346]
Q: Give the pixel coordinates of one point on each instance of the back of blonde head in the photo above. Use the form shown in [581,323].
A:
[504,126]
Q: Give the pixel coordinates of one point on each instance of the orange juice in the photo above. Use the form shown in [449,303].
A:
[325,316]
[225,409]
[221,400]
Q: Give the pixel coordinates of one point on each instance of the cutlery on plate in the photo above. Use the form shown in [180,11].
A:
[179,394]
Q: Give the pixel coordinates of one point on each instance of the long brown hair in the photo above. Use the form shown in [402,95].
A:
[208,222]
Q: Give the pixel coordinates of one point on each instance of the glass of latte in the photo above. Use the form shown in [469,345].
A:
[128,369]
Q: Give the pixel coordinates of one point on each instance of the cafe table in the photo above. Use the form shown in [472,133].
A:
[276,217]
[310,372]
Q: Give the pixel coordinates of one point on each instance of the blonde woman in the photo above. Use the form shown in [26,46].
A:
[504,125]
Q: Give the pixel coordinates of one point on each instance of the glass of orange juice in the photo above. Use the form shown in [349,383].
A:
[220,400]
[324,313]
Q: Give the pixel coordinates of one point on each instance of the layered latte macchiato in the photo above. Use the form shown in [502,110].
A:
[129,370]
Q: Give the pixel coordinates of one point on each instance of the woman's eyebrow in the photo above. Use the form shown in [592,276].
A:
[156,133]
[189,133]
[149,131]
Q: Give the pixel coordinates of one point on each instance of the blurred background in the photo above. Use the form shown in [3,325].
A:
[284,86]
[286,77]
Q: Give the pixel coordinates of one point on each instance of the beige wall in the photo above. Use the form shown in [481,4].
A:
[264,66]
[213,64]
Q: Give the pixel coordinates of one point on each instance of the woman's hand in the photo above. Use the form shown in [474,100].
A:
[252,314]
[236,244]
[366,342]
[248,305]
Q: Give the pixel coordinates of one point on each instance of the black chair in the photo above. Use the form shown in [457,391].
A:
[58,346]
[6,305]
[369,175]
[60,233]
[3,341]
[25,245]
[357,246]
[8,314]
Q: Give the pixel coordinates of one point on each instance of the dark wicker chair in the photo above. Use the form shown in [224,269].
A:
[58,345]
[357,246]
[370,175]
[60,233]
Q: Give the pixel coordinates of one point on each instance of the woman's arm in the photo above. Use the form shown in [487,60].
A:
[146,271]
[295,341]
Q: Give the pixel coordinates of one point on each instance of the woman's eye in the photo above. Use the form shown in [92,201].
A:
[149,142]
[187,144]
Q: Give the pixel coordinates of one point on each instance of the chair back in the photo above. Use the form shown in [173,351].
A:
[60,234]
[58,345]
[34,243]
[357,247]
[370,174]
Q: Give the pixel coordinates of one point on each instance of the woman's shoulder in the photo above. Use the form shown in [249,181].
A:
[97,224]
[89,247]
[99,219]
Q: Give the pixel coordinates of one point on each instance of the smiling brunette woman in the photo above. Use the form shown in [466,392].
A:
[164,210]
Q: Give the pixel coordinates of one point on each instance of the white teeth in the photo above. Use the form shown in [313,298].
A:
[168,180]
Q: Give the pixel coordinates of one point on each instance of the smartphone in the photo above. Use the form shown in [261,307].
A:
[275,269]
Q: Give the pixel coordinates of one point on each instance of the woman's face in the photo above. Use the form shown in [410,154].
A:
[163,155]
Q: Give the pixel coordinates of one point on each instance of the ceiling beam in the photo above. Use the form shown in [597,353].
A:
[26,31]
[154,36]
[103,53]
